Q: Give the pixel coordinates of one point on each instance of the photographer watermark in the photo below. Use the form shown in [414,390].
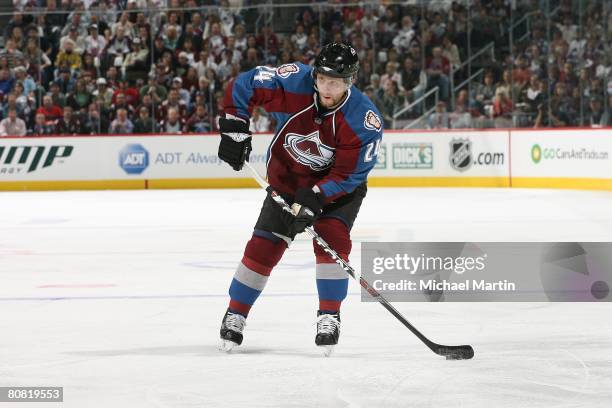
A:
[457,271]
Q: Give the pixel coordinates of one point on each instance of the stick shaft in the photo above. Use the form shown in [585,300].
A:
[348,268]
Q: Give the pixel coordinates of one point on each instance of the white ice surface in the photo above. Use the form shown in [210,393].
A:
[118,297]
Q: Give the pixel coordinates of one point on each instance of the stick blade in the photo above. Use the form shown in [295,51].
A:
[464,352]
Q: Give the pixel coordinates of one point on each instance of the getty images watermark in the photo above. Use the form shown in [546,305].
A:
[458,271]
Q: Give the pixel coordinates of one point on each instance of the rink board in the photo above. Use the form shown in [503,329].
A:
[567,158]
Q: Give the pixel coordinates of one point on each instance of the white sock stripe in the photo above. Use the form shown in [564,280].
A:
[330,271]
[250,278]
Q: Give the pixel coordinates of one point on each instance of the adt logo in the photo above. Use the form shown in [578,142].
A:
[134,159]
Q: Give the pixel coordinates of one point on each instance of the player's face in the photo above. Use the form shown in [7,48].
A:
[331,90]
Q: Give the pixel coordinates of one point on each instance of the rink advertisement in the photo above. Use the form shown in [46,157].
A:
[562,158]
[468,158]
[120,162]
[488,272]
[556,158]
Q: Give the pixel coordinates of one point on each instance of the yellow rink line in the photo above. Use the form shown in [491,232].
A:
[72,185]
[563,182]
[519,182]
[438,182]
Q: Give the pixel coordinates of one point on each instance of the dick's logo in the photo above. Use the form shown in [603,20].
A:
[134,159]
[15,159]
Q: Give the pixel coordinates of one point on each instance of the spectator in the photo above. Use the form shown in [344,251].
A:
[268,41]
[596,115]
[183,64]
[159,49]
[89,67]
[122,124]
[51,111]
[485,92]
[214,40]
[439,118]
[68,56]
[124,25]
[438,68]
[190,81]
[118,46]
[259,121]
[391,75]
[147,103]
[65,81]
[80,99]
[154,89]
[145,123]
[121,104]
[199,122]
[56,94]
[299,38]
[392,101]
[69,123]
[12,125]
[184,95]
[206,61]
[250,61]
[240,38]
[103,95]
[173,122]
[94,42]
[405,35]
[502,108]
[531,97]
[6,81]
[521,74]
[562,105]
[412,83]
[175,102]
[41,128]
[382,36]
[11,53]
[94,123]
[438,29]
[451,53]
[131,94]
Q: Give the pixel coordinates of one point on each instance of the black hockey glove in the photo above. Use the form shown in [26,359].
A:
[235,146]
[306,208]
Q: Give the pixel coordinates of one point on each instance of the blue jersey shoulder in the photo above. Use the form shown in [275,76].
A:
[300,82]
[294,77]
[362,116]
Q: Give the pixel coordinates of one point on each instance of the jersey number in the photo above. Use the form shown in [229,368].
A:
[264,73]
[372,150]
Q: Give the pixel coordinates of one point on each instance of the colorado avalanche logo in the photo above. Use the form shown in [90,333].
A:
[372,121]
[309,150]
[287,69]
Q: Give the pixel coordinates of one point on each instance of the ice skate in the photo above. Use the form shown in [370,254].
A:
[231,331]
[328,331]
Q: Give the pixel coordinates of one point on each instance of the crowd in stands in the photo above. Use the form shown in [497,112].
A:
[161,66]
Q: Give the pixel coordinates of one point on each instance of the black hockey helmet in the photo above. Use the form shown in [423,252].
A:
[337,60]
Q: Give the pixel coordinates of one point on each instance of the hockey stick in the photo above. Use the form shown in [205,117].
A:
[464,352]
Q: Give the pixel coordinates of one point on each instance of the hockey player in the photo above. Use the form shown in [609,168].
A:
[326,141]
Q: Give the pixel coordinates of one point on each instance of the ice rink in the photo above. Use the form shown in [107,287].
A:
[117,296]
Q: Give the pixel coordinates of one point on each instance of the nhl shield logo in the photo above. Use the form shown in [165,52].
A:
[309,150]
[287,69]
[461,154]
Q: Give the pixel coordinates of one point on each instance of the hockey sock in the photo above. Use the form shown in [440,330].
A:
[332,280]
[262,253]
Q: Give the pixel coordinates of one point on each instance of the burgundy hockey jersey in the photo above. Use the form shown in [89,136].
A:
[333,149]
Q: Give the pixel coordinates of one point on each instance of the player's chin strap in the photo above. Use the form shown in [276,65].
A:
[450,352]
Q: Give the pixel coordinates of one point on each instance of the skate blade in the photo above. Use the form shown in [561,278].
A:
[227,346]
[327,350]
